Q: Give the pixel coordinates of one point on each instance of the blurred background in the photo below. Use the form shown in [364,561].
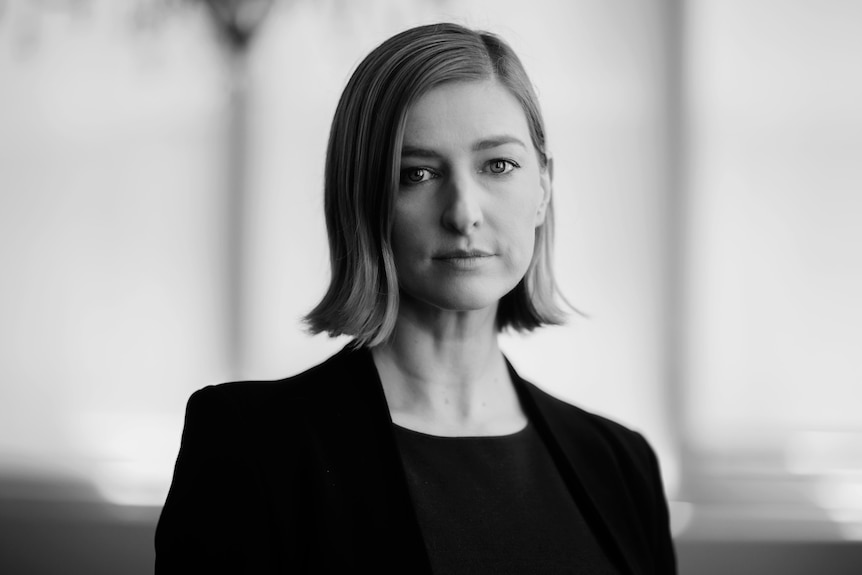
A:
[161,229]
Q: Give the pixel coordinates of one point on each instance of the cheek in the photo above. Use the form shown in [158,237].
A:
[409,241]
[404,232]
[522,236]
[527,243]
[520,242]
[521,218]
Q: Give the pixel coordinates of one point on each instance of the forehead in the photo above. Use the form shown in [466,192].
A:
[459,113]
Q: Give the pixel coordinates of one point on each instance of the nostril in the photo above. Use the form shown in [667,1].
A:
[462,217]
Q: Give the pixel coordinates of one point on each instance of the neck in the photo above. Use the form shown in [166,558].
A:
[443,373]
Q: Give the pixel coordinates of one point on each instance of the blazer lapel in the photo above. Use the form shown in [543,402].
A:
[371,471]
[569,440]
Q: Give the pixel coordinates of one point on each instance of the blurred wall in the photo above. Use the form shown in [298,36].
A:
[773,267]
[111,218]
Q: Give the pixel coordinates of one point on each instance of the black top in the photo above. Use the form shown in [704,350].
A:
[496,505]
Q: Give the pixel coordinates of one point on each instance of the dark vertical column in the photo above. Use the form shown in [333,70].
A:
[237,21]
[675,293]
[236,168]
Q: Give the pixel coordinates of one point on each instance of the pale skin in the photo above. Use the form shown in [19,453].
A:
[472,194]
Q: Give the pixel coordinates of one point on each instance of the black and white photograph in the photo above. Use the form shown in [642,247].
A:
[433,287]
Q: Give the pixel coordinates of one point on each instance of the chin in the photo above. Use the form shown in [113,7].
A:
[459,300]
[464,303]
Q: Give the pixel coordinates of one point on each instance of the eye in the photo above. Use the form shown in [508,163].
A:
[502,166]
[412,176]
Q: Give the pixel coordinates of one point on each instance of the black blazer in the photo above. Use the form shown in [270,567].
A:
[303,475]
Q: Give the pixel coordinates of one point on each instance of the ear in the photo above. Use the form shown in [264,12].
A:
[546,181]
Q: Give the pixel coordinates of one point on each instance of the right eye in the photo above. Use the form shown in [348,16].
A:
[411,176]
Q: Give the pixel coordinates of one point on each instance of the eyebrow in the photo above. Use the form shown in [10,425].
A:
[497,141]
[484,144]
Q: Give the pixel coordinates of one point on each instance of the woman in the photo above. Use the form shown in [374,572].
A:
[418,448]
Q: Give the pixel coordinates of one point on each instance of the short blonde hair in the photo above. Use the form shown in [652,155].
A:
[363,162]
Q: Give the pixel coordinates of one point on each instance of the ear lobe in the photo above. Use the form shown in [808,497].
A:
[546,179]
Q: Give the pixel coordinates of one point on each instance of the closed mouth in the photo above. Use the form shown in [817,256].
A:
[463,255]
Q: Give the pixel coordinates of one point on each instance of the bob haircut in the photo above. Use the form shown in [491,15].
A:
[363,163]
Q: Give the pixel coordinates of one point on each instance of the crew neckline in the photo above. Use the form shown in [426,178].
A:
[413,432]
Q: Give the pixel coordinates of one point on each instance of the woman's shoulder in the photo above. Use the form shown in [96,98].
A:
[331,380]
[573,411]
[587,430]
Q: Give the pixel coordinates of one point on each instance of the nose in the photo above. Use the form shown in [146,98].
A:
[463,211]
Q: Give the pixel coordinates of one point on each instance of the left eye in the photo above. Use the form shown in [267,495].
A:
[501,166]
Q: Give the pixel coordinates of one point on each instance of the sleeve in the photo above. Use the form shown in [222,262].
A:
[212,521]
[662,540]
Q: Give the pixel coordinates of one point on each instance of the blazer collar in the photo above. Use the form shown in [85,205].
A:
[562,433]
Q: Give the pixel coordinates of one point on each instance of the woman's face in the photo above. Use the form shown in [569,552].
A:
[470,197]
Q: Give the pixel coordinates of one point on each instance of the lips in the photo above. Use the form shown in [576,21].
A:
[462,255]
[463,260]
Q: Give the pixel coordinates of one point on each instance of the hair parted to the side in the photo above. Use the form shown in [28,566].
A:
[363,161]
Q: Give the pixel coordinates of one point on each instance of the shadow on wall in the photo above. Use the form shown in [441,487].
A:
[63,527]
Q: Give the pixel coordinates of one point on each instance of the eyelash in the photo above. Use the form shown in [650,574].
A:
[510,166]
